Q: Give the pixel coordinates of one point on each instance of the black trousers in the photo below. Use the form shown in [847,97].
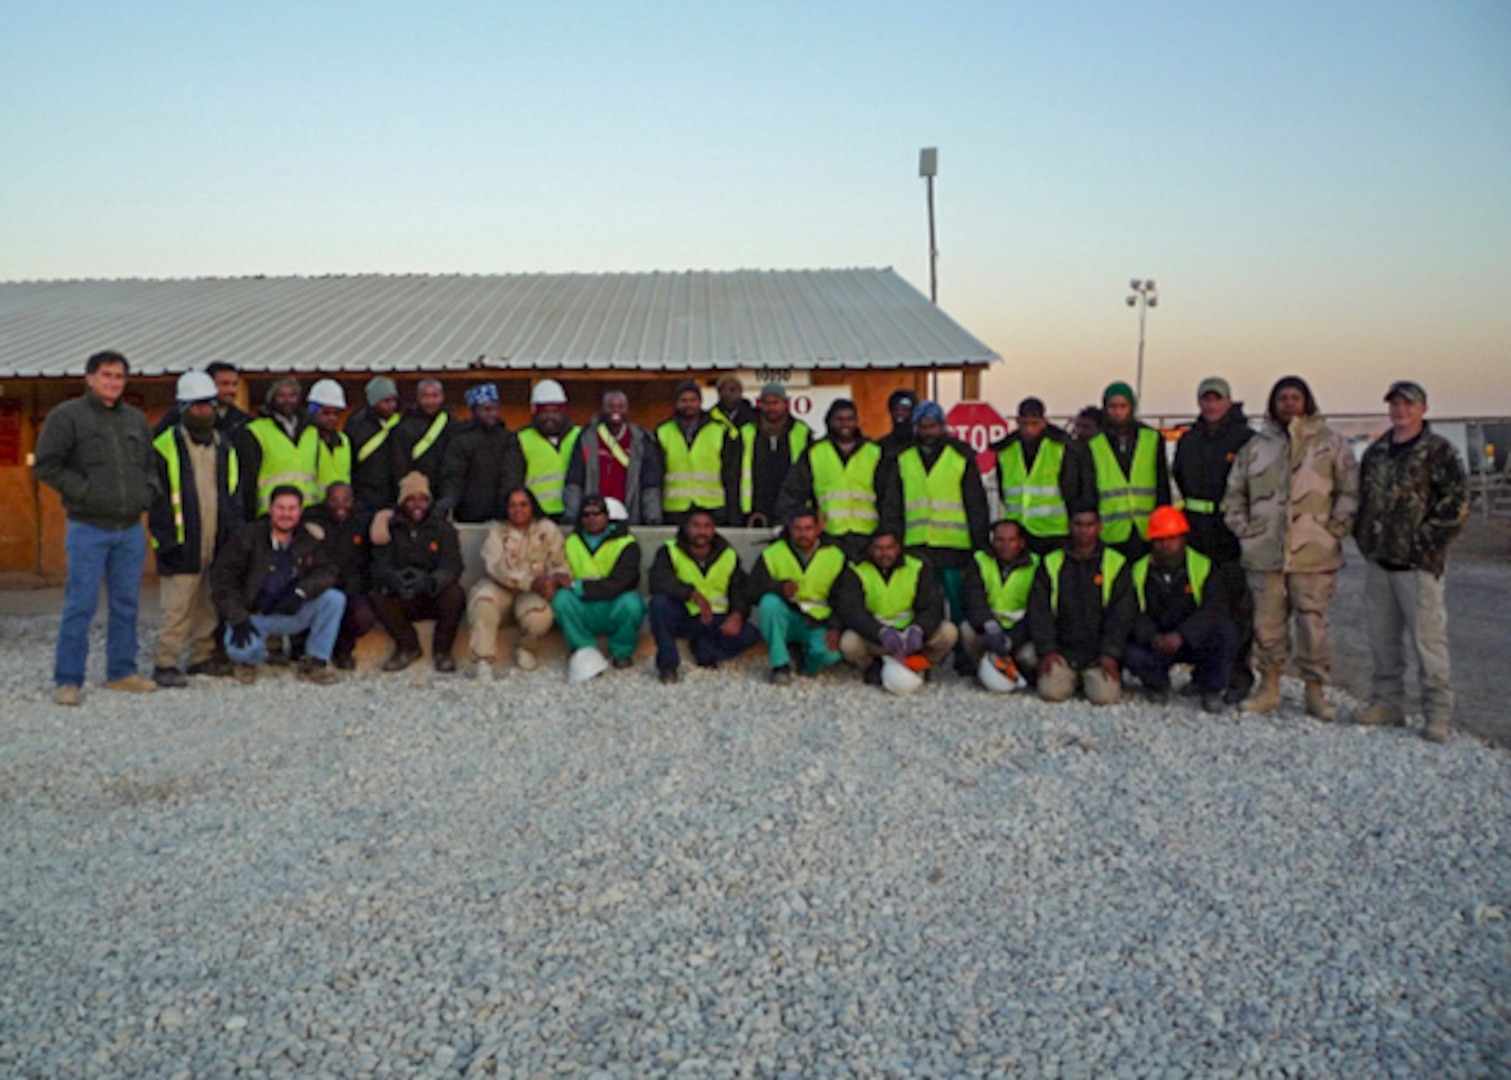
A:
[399,616]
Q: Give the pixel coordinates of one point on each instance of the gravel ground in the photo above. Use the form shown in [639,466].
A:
[724,879]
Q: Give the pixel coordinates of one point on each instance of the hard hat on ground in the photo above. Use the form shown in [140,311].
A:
[1167,521]
[586,663]
[195,386]
[548,392]
[327,393]
[999,674]
[898,678]
[617,510]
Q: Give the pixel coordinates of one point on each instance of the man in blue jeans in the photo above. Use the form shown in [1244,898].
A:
[96,452]
[276,577]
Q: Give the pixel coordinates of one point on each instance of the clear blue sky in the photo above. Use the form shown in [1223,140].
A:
[1319,188]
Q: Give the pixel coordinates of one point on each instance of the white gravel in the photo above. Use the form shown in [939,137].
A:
[726,879]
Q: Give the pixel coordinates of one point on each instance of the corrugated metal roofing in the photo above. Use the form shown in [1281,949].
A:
[696,320]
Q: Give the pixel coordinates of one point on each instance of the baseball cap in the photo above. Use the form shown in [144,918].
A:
[1407,389]
[1213,384]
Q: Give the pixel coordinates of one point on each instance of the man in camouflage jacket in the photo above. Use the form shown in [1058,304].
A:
[1414,499]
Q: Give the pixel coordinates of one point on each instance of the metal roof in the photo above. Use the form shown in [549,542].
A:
[660,321]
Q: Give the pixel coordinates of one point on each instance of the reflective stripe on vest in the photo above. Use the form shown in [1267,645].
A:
[814,582]
[1126,501]
[166,444]
[283,462]
[546,466]
[797,442]
[609,442]
[371,446]
[845,491]
[1007,598]
[1198,566]
[1032,497]
[933,505]
[1199,506]
[332,464]
[693,473]
[890,600]
[595,565]
[432,433]
[1112,564]
[714,586]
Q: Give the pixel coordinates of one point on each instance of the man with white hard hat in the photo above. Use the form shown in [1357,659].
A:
[196,511]
[604,597]
[330,449]
[547,444]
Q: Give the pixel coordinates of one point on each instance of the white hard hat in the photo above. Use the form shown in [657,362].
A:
[897,677]
[617,510]
[328,393]
[586,663]
[994,678]
[195,386]
[548,392]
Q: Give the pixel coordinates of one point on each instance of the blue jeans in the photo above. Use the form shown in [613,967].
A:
[670,620]
[116,557]
[320,616]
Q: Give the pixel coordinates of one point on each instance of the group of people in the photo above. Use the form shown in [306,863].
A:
[286,537]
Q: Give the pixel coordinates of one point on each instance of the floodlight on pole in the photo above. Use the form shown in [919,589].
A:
[928,168]
[1143,297]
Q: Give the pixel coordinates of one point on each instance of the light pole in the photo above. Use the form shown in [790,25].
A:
[1144,297]
[928,168]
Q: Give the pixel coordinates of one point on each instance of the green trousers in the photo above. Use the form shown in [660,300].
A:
[781,627]
[583,621]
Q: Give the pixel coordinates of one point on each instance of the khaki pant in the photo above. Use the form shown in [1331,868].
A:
[1402,605]
[859,652]
[1278,598]
[1059,684]
[189,619]
[486,606]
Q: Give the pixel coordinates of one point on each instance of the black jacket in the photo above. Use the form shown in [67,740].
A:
[230,512]
[240,567]
[373,479]
[431,546]
[348,547]
[849,599]
[99,460]
[228,420]
[483,464]
[406,434]
[1202,460]
[664,579]
[1170,605]
[1082,630]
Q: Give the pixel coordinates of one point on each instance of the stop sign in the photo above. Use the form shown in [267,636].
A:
[978,425]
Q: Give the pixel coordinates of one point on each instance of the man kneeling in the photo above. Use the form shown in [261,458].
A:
[794,578]
[604,597]
[891,605]
[416,570]
[698,592]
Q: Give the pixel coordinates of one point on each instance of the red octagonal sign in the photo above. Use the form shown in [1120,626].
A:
[978,425]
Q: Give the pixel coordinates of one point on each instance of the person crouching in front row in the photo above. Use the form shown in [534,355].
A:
[416,571]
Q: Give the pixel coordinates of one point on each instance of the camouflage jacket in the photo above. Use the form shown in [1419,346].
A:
[1292,497]
[1412,504]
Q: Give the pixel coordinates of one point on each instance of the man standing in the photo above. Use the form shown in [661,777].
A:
[1042,474]
[698,592]
[1079,614]
[483,463]
[837,477]
[274,578]
[196,511]
[268,448]
[1132,476]
[700,465]
[731,412]
[548,443]
[1414,499]
[419,441]
[369,429]
[96,452]
[769,447]
[996,589]
[417,575]
[229,416]
[900,407]
[793,580]
[329,450]
[890,604]
[617,460]
[604,597]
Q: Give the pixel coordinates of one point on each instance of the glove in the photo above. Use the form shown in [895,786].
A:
[996,637]
[891,639]
[242,634]
[435,581]
[912,639]
[289,603]
[411,580]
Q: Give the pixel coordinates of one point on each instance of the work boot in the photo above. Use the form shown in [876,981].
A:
[1212,701]
[667,675]
[1317,704]
[622,662]
[132,684]
[169,677]
[344,662]
[1436,729]
[1157,695]
[402,657]
[316,671]
[873,673]
[781,676]
[445,663]
[246,674]
[67,694]
[1267,697]
[525,659]
[1380,714]
[217,666]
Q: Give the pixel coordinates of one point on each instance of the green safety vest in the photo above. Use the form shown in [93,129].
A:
[283,462]
[1006,597]
[845,491]
[166,444]
[1125,501]
[1032,497]
[814,581]
[378,438]
[546,466]
[331,465]
[797,442]
[891,600]
[595,565]
[1112,564]
[694,474]
[933,506]
[714,585]
[1198,566]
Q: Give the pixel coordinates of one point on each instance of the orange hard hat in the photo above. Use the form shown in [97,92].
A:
[1167,521]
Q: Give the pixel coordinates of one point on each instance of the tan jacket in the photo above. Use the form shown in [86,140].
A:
[516,557]
[1290,501]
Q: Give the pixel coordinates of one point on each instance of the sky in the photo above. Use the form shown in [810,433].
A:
[1318,188]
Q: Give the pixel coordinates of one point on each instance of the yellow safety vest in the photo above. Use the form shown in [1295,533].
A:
[1126,501]
[1032,497]
[797,442]
[595,565]
[714,586]
[1112,564]
[283,462]
[166,444]
[891,600]
[933,503]
[845,491]
[814,582]
[694,474]
[1006,597]
[1198,566]
[546,466]
[331,465]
